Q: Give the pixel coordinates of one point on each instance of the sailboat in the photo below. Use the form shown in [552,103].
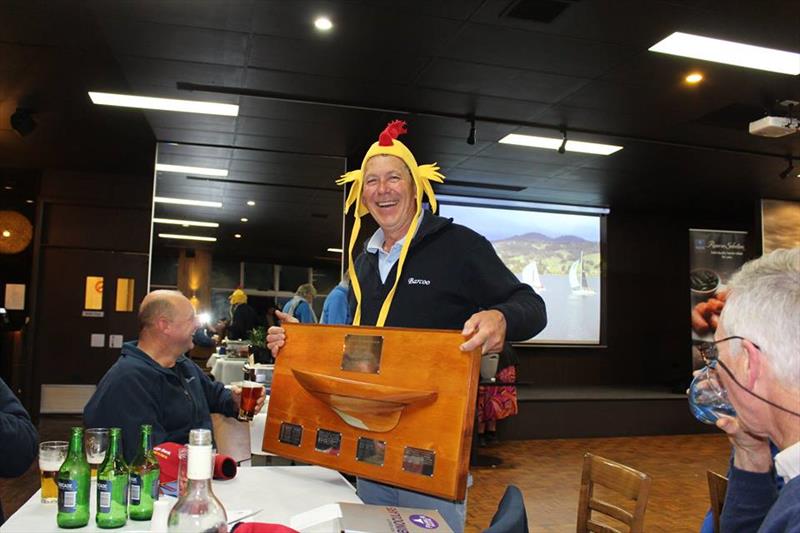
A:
[530,275]
[577,279]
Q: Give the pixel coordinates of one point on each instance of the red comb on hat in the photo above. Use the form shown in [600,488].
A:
[393,130]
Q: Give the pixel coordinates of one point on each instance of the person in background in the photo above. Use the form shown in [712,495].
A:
[336,309]
[496,402]
[756,356]
[301,306]
[243,317]
[152,382]
[18,437]
[419,270]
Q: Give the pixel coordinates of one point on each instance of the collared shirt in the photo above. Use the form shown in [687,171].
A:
[787,462]
[386,260]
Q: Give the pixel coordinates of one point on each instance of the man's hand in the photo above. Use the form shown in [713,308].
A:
[488,330]
[236,395]
[276,335]
[750,452]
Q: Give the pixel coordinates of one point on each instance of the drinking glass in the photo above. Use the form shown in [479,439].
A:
[708,399]
[251,392]
[52,454]
[96,444]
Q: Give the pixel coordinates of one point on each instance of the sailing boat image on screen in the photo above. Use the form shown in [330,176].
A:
[577,279]
[530,275]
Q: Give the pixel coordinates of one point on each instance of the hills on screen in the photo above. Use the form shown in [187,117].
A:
[553,255]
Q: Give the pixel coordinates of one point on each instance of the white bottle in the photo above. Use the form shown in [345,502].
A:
[198,510]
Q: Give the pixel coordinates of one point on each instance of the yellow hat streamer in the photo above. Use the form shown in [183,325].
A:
[422,175]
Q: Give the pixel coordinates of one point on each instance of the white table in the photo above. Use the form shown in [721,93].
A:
[280,491]
[228,371]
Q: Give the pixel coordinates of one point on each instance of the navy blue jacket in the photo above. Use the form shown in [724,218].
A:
[450,273]
[136,390]
[18,438]
[752,503]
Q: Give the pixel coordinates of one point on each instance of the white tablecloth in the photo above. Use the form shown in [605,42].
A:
[280,491]
[228,371]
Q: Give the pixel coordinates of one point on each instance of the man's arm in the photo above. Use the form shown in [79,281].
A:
[18,437]
[220,400]
[513,310]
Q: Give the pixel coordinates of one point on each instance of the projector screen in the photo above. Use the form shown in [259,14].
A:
[556,253]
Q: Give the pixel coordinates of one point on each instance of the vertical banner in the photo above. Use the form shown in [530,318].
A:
[714,255]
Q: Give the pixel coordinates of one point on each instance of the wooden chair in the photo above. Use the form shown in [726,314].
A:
[631,483]
[231,437]
[717,487]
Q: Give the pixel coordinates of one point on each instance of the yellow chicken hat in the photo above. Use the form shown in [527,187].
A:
[422,175]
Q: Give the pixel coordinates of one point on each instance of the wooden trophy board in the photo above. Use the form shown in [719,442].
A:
[394,405]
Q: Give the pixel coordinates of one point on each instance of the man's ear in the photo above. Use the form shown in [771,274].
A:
[755,363]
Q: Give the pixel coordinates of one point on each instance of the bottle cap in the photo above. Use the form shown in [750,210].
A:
[200,437]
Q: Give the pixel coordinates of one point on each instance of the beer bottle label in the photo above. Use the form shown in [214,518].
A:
[136,489]
[67,495]
[104,487]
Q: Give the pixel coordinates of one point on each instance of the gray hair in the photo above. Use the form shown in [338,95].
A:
[306,290]
[764,307]
[157,304]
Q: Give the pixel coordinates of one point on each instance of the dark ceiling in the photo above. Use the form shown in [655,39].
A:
[311,103]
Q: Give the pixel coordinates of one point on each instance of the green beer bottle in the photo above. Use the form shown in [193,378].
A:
[144,477]
[112,485]
[73,485]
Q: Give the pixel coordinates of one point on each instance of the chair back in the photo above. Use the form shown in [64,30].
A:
[231,437]
[630,483]
[717,487]
[510,516]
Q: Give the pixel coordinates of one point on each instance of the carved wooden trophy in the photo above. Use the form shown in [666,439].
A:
[393,405]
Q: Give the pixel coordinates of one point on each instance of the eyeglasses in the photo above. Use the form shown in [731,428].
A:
[710,354]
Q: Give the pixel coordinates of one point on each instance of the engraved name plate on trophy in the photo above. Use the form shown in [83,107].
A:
[394,405]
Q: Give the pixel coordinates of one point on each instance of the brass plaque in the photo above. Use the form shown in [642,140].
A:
[362,353]
[291,434]
[371,451]
[329,442]
[419,461]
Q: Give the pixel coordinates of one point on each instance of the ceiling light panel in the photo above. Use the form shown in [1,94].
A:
[187,237]
[197,171]
[729,53]
[186,222]
[184,201]
[553,143]
[164,104]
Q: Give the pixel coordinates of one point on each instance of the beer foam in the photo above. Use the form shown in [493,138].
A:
[46,465]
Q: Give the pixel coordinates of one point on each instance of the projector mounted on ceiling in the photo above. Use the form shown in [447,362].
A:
[774,126]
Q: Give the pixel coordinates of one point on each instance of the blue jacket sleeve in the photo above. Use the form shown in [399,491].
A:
[336,309]
[18,437]
[218,397]
[749,497]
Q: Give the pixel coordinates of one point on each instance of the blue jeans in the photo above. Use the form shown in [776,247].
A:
[373,493]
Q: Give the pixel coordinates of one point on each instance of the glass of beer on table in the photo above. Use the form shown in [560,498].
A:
[251,392]
[96,444]
[52,454]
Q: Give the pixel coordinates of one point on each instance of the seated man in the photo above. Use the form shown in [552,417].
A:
[152,382]
[757,349]
[18,437]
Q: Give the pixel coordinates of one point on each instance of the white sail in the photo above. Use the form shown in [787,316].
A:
[530,275]
[577,278]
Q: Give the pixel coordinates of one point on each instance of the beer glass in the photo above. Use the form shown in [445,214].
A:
[52,454]
[96,444]
[251,392]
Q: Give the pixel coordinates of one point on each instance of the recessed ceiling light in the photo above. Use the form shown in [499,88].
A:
[323,23]
[243,219]
[694,77]
[187,237]
[28,201]
[553,143]
[237,235]
[182,201]
[335,250]
[202,171]
[164,104]
[8,187]
[251,203]
[6,233]
[186,223]
[729,53]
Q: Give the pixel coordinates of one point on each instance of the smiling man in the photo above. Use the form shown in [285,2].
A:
[419,270]
[757,350]
[154,383]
